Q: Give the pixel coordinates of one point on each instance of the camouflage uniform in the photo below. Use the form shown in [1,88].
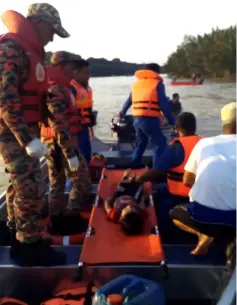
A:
[64,147]
[25,193]
[47,12]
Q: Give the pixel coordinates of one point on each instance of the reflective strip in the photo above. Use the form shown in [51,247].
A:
[66,240]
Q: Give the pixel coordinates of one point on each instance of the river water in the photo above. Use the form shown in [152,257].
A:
[204,101]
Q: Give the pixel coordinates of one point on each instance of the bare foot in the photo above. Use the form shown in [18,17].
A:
[203,245]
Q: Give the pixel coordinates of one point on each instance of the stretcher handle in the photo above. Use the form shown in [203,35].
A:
[79,272]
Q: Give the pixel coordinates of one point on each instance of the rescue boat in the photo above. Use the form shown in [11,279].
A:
[185,83]
[98,256]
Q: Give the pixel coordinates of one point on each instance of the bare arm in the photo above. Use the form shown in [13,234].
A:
[189,179]
[151,175]
[107,206]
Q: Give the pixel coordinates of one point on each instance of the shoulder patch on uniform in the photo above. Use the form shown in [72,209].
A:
[40,73]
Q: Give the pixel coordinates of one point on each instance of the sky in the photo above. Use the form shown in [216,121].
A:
[132,30]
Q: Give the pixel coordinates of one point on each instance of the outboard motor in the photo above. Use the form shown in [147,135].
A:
[124,129]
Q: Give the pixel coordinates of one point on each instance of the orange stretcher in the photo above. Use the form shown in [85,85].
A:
[105,243]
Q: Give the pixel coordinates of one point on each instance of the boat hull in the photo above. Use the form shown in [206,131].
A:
[196,282]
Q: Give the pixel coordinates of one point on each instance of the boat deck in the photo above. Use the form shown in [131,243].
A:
[191,279]
[202,277]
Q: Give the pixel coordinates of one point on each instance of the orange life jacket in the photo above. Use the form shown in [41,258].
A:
[84,102]
[11,301]
[56,76]
[33,89]
[75,296]
[145,101]
[175,174]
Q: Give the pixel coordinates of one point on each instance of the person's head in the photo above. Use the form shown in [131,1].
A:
[153,67]
[131,218]
[186,124]
[175,97]
[67,62]
[82,75]
[132,221]
[228,118]
[46,21]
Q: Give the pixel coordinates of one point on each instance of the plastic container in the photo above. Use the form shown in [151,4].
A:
[129,290]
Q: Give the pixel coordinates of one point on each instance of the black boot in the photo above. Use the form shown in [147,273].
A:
[36,254]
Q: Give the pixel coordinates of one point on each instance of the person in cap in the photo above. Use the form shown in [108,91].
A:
[22,88]
[211,174]
[175,104]
[149,106]
[60,136]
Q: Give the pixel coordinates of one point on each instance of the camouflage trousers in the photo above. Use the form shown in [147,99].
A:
[25,192]
[59,170]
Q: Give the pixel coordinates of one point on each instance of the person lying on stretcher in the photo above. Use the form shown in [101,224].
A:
[126,206]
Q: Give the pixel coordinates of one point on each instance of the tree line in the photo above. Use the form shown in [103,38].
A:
[104,67]
[213,55]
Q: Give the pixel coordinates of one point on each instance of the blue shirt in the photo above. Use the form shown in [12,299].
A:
[74,91]
[172,156]
[163,104]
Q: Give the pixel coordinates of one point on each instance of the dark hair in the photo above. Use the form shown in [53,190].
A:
[187,123]
[76,64]
[82,63]
[175,95]
[153,67]
[132,223]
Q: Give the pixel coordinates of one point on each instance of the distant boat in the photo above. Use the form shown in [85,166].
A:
[185,83]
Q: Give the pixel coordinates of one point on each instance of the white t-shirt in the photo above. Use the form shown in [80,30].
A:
[213,161]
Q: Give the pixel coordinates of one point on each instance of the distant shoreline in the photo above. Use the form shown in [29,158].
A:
[209,80]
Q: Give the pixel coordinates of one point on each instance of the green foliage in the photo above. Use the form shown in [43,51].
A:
[212,54]
[104,67]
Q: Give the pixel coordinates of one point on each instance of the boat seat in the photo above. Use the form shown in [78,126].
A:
[105,243]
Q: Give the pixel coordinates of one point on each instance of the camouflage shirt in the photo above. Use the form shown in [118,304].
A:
[14,69]
[57,104]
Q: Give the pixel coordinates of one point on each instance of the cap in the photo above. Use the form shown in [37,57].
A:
[228,113]
[62,56]
[50,14]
